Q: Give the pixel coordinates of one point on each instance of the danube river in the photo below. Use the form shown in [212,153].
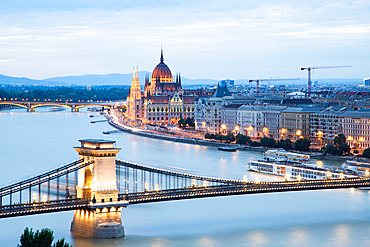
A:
[35,142]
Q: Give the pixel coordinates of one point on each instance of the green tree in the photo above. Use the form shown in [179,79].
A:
[343,148]
[366,153]
[43,238]
[286,144]
[302,144]
[230,137]
[190,122]
[268,142]
[330,149]
[339,139]
[181,123]
[242,139]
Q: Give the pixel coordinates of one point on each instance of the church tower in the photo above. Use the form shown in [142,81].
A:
[134,102]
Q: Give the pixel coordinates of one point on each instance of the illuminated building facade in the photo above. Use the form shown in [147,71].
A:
[355,126]
[163,101]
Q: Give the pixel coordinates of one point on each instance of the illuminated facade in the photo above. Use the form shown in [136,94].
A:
[162,102]
[355,126]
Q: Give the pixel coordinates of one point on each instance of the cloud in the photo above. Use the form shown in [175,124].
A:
[206,39]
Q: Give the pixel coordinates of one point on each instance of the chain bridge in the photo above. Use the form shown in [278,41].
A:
[98,186]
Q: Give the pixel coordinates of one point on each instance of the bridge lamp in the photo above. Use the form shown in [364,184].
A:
[367,173]
[245,178]
[146,186]
[157,187]
[194,182]
[257,181]
[34,197]
[205,183]
[341,176]
[328,175]
[126,191]
[44,199]
[299,178]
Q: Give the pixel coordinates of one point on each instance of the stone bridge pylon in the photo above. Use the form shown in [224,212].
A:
[97,183]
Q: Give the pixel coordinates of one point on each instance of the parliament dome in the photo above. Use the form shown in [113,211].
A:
[161,72]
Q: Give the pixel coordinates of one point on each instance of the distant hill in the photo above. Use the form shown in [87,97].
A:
[118,79]
[125,79]
[9,80]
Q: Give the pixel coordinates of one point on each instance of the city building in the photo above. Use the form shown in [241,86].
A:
[259,121]
[295,122]
[355,126]
[324,125]
[162,102]
[208,111]
[229,118]
[367,81]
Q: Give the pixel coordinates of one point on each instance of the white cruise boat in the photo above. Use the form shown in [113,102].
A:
[293,165]
[362,168]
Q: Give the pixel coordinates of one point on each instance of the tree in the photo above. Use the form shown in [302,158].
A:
[339,139]
[43,238]
[302,144]
[230,137]
[366,153]
[190,122]
[181,123]
[286,144]
[343,148]
[242,139]
[330,149]
[268,142]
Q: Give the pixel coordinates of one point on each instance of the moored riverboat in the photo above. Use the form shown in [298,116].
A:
[294,165]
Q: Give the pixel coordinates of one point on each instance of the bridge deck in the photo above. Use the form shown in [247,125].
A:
[248,188]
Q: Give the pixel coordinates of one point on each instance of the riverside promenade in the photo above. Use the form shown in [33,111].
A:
[114,122]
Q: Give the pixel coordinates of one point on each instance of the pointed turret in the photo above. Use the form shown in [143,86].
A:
[179,80]
[147,84]
[162,60]
[133,72]
[137,72]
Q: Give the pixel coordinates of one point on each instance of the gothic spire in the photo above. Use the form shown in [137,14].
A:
[162,60]
[137,72]
[133,73]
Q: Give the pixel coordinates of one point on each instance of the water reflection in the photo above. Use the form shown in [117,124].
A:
[311,218]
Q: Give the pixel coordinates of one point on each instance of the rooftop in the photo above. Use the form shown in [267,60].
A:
[97,141]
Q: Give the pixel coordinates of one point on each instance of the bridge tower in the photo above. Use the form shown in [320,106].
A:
[97,183]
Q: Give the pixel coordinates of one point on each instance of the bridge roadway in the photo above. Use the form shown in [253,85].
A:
[242,188]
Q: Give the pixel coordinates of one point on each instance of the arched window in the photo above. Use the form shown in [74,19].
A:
[171,109]
[149,109]
[166,109]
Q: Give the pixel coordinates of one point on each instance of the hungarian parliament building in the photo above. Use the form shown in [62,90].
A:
[162,102]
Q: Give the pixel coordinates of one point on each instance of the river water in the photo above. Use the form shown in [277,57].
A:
[35,142]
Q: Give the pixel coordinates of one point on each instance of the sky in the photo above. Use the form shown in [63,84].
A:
[210,39]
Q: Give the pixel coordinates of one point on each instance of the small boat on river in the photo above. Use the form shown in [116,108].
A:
[228,148]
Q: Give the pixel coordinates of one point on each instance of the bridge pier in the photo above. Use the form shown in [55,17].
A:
[97,183]
[30,108]
[74,109]
[98,223]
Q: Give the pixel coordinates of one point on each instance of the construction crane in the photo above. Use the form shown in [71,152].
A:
[318,67]
[258,82]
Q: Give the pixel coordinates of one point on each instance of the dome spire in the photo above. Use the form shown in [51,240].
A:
[162,60]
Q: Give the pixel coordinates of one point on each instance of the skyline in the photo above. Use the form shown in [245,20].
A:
[207,40]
